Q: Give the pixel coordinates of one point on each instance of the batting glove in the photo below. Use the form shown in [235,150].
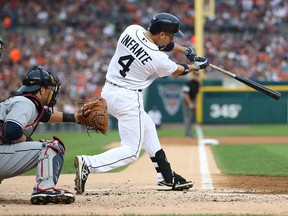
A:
[190,54]
[201,63]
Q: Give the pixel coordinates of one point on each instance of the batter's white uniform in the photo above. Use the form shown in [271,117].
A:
[137,62]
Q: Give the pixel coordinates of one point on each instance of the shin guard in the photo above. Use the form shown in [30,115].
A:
[162,166]
[51,160]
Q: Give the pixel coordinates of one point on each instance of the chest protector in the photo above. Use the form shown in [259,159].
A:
[30,128]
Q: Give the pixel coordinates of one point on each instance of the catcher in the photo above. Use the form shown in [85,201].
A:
[19,117]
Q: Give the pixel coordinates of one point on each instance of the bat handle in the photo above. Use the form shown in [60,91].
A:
[222,70]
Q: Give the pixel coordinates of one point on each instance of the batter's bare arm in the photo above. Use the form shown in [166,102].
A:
[183,69]
[189,52]
[179,48]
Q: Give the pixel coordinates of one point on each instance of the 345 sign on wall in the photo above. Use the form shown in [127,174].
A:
[240,107]
[231,111]
[224,111]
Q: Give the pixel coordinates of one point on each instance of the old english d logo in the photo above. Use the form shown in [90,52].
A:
[171,96]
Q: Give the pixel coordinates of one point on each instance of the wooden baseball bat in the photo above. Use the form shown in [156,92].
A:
[267,91]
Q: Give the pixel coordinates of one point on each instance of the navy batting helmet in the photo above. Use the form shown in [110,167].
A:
[38,77]
[165,22]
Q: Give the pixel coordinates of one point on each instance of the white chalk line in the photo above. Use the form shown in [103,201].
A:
[206,180]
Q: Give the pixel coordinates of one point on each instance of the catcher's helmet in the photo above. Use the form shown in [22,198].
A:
[38,77]
[167,23]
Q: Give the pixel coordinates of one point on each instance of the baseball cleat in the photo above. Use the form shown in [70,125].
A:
[82,173]
[178,183]
[53,195]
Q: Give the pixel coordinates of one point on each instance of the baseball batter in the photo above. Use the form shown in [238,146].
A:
[139,59]
[19,117]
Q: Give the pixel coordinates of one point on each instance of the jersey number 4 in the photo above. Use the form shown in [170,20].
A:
[125,62]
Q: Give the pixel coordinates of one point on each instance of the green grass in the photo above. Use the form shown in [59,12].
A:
[77,143]
[237,159]
[233,130]
[249,130]
[257,160]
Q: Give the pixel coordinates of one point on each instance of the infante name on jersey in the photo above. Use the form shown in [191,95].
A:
[136,49]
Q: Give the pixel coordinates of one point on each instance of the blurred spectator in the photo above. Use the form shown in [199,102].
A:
[78,38]
[7,22]
[156,116]
[15,55]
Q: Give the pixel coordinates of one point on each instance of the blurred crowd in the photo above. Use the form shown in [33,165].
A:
[76,39]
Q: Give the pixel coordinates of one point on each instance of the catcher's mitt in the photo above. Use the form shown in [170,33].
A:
[93,114]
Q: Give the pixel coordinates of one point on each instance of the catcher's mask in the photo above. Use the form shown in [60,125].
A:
[1,48]
[165,22]
[38,77]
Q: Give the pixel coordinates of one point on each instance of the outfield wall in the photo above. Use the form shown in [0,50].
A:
[218,104]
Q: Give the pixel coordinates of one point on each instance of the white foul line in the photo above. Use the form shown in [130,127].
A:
[206,181]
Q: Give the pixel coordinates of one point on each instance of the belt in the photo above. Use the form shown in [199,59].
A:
[137,90]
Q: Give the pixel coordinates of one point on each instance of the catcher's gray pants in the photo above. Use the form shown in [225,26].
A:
[47,155]
[16,159]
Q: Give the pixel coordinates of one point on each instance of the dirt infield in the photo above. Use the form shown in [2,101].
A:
[132,191]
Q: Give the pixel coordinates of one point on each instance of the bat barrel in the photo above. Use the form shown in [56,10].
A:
[270,92]
[257,86]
